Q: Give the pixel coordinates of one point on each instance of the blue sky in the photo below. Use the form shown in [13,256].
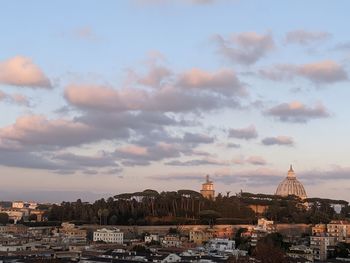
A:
[114,96]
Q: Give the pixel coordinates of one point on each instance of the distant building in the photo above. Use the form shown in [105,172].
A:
[208,189]
[340,229]
[70,230]
[291,186]
[301,251]
[151,237]
[221,244]
[171,240]
[266,225]
[200,236]
[18,204]
[108,235]
[22,204]
[319,229]
[322,246]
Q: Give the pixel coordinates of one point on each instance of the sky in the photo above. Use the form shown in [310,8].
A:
[104,97]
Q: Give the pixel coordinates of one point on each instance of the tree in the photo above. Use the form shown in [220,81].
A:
[209,216]
[4,218]
[266,252]
[113,220]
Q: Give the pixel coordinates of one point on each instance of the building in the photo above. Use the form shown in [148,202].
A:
[340,229]
[151,237]
[301,251]
[319,229]
[69,230]
[208,189]
[200,236]
[108,235]
[171,240]
[22,204]
[291,186]
[322,246]
[221,244]
[266,225]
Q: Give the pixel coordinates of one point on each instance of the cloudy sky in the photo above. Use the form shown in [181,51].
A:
[103,97]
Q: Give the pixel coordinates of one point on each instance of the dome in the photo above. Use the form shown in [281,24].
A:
[291,186]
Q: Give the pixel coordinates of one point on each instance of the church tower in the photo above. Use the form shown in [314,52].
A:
[208,189]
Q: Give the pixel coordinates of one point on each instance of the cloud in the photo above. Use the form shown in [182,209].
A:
[102,159]
[245,48]
[278,140]
[195,138]
[61,163]
[297,112]
[161,147]
[233,145]
[253,160]
[38,130]
[344,46]
[133,155]
[155,77]
[322,72]
[223,81]
[14,99]
[256,160]
[21,71]
[165,99]
[253,177]
[303,37]
[246,133]
[198,162]
[333,173]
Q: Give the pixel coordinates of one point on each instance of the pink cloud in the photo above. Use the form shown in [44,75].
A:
[223,81]
[38,130]
[321,72]
[298,112]
[245,48]
[21,71]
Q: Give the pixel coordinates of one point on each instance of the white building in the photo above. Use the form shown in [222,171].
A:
[221,244]
[171,258]
[151,237]
[109,235]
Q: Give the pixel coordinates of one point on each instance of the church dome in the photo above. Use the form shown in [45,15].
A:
[291,186]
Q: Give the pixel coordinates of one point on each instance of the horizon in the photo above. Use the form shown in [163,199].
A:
[123,96]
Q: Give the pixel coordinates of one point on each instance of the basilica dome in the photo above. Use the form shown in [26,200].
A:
[291,186]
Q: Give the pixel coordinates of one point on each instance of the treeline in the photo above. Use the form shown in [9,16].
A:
[189,207]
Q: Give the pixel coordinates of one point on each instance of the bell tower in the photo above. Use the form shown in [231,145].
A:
[208,189]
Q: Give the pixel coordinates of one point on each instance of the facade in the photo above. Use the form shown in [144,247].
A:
[69,230]
[171,241]
[339,229]
[208,189]
[199,236]
[108,235]
[266,225]
[319,229]
[151,237]
[322,246]
[221,244]
[291,186]
[301,251]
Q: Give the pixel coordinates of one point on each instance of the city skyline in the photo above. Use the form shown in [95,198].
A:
[104,98]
